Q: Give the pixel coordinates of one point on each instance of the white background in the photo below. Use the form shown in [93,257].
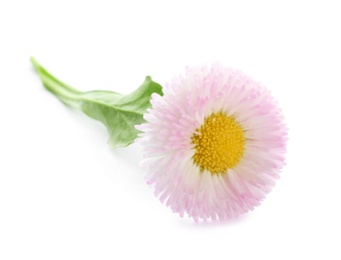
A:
[65,195]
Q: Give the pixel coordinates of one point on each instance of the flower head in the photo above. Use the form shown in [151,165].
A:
[214,144]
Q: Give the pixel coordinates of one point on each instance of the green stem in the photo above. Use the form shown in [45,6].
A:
[119,113]
[64,92]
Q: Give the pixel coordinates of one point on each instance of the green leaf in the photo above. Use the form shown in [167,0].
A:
[119,113]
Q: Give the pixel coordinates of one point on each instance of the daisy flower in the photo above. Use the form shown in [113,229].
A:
[213,144]
[213,140]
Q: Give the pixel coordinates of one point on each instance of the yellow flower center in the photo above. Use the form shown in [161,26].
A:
[219,144]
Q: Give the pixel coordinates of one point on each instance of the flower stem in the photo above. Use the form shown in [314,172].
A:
[64,92]
[119,113]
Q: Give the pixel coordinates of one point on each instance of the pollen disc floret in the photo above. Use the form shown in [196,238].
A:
[213,144]
[219,144]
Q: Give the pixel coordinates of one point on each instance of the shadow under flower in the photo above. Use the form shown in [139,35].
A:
[188,222]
